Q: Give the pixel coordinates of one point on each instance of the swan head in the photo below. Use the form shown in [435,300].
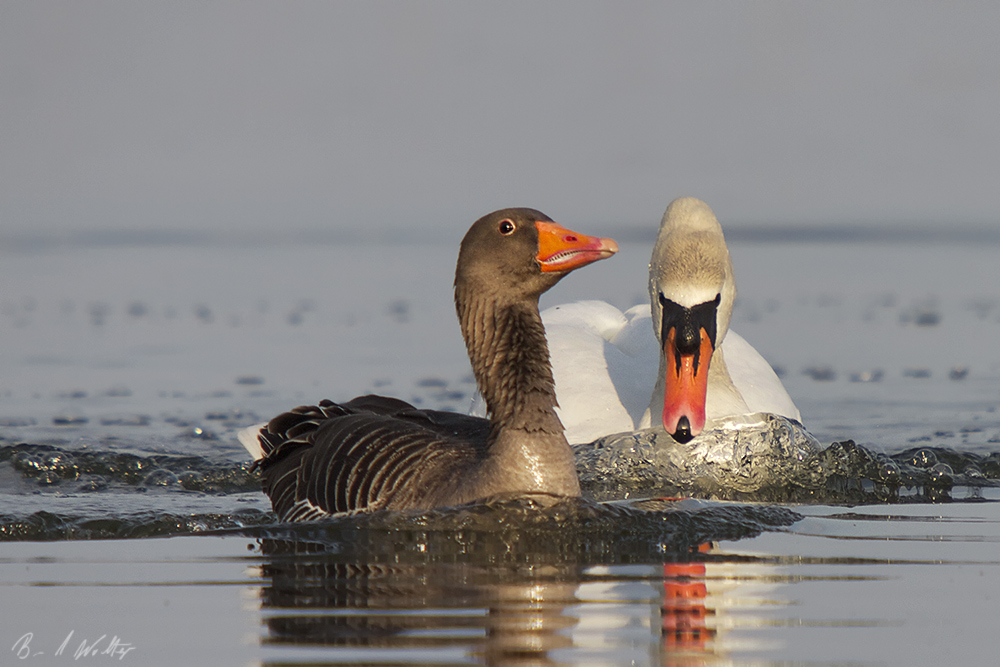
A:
[691,290]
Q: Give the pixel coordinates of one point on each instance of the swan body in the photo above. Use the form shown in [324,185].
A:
[376,452]
[605,363]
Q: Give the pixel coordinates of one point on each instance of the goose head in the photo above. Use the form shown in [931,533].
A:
[691,289]
[519,253]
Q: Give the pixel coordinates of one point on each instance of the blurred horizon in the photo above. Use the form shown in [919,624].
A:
[249,119]
[960,234]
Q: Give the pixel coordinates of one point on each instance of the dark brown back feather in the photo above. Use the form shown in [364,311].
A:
[370,453]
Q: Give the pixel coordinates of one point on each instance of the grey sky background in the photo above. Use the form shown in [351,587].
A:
[246,117]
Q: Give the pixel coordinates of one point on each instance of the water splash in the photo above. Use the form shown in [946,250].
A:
[106,494]
[511,530]
[96,470]
[47,526]
[767,458]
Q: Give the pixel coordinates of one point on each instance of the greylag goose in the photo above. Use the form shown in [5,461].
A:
[604,360]
[381,453]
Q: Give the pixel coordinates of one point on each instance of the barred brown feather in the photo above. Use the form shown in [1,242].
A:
[336,458]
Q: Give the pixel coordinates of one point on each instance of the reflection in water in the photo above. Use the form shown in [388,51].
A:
[685,608]
[513,596]
[414,608]
[508,614]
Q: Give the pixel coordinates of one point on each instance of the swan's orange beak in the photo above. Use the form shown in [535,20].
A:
[686,387]
[560,249]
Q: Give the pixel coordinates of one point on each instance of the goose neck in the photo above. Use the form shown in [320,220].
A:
[510,360]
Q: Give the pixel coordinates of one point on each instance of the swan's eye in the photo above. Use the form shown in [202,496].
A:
[507,227]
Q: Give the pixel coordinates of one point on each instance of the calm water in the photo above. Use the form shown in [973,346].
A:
[127,370]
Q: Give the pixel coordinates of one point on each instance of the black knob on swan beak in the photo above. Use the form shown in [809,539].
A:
[683,432]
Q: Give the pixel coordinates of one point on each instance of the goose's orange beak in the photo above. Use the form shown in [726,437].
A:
[560,249]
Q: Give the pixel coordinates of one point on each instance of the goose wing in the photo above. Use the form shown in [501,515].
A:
[370,453]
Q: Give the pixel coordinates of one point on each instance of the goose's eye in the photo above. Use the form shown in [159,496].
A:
[507,227]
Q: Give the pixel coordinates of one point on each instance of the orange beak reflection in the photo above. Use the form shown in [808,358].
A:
[560,249]
[686,388]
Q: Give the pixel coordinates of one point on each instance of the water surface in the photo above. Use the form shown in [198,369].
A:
[129,510]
